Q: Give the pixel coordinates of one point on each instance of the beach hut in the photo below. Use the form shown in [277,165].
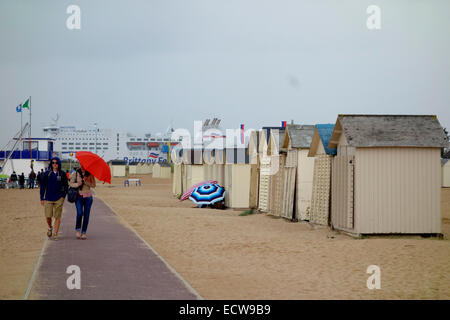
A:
[386,174]
[265,168]
[194,171]
[298,172]
[321,188]
[177,183]
[276,170]
[264,171]
[446,173]
[140,168]
[239,174]
[118,168]
[132,168]
[161,170]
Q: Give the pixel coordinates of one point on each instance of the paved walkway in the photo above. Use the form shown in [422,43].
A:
[114,262]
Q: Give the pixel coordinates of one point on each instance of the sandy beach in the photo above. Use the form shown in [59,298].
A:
[226,256]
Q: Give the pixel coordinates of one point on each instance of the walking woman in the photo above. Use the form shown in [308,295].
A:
[83,180]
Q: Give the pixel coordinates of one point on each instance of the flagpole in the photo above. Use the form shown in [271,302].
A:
[29,134]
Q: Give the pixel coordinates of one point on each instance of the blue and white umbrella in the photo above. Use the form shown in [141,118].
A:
[208,193]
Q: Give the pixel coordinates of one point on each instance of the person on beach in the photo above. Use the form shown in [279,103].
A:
[53,190]
[38,179]
[31,178]
[22,181]
[13,179]
[84,181]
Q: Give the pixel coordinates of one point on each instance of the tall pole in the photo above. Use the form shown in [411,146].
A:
[29,134]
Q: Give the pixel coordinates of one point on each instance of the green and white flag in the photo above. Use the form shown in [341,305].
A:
[26,105]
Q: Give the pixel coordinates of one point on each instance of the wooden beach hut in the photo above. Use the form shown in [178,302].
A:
[161,170]
[177,182]
[276,171]
[386,175]
[321,188]
[445,173]
[118,168]
[239,174]
[264,170]
[132,168]
[298,172]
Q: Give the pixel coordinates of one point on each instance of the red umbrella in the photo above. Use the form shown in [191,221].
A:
[95,165]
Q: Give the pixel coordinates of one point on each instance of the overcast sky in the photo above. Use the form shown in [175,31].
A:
[139,66]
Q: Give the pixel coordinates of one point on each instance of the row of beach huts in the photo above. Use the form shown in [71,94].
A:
[365,174]
[157,170]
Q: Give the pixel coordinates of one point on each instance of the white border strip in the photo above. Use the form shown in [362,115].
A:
[192,290]
[36,267]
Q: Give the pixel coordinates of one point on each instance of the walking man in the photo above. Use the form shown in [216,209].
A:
[31,178]
[53,190]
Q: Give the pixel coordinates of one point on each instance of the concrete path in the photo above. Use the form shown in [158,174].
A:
[114,263]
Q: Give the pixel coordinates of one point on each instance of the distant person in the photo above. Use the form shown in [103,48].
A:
[14,179]
[38,179]
[83,180]
[31,178]
[53,191]
[22,181]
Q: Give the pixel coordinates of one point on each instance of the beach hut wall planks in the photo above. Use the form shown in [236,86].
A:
[118,168]
[298,172]
[446,173]
[162,170]
[386,175]
[132,168]
[264,171]
[176,156]
[277,168]
[254,159]
[238,176]
[323,156]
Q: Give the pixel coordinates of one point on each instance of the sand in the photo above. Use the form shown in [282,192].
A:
[227,256]
[22,233]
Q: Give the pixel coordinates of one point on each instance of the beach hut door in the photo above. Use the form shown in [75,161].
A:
[342,195]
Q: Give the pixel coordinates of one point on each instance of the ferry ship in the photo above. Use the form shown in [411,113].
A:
[111,144]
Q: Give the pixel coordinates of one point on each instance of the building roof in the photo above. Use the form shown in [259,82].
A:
[389,131]
[300,136]
[276,139]
[325,131]
[322,134]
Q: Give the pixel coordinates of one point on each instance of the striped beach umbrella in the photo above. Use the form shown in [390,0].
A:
[187,194]
[206,194]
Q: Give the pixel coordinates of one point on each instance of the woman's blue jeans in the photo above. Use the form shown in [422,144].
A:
[83,210]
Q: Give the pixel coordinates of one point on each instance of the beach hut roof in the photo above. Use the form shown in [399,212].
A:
[300,136]
[389,131]
[276,140]
[322,133]
[253,143]
[117,162]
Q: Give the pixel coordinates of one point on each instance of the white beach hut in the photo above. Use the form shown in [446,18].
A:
[323,156]
[298,172]
[386,177]
[446,173]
